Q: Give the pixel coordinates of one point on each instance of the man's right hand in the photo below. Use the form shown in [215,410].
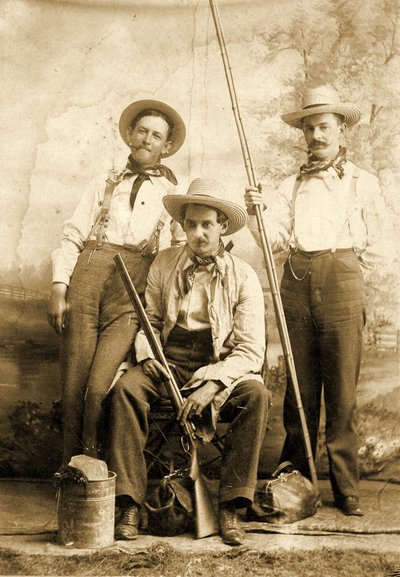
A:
[57,307]
[154,370]
[253,197]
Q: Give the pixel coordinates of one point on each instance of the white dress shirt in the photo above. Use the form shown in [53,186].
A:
[125,226]
[327,214]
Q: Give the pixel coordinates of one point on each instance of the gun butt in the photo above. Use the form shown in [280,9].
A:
[205,517]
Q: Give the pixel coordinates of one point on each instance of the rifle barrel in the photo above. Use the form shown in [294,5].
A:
[205,518]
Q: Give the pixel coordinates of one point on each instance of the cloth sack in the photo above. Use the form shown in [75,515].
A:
[287,497]
[169,506]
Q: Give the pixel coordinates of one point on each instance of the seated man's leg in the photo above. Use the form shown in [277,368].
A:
[247,411]
[129,406]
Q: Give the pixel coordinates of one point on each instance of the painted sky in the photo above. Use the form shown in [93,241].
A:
[69,68]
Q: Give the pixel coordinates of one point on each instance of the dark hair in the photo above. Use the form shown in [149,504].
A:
[221,216]
[154,112]
[339,119]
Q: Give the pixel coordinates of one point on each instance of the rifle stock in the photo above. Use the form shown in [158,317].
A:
[205,517]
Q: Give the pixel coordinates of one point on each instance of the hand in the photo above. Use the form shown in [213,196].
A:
[195,403]
[253,197]
[57,308]
[154,370]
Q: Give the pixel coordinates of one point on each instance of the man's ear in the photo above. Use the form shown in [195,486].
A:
[343,129]
[167,147]
[224,226]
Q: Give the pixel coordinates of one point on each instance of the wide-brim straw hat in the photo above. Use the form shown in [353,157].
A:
[320,100]
[178,130]
[207,192]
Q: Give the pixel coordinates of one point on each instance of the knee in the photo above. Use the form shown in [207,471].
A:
[127,385]
[263,395]
[258,395]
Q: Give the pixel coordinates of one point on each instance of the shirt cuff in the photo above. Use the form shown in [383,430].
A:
[61,277]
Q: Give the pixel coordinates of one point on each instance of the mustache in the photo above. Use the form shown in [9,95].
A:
[142,148]
[317,143]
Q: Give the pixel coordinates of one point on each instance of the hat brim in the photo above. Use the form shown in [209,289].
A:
[178,132]
[236,215]
[350,113]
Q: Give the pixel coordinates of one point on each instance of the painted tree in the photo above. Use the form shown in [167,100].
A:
[353,45]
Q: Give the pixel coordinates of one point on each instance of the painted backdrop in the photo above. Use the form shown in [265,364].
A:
[70,67]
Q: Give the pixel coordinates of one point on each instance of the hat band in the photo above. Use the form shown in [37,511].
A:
[318,105]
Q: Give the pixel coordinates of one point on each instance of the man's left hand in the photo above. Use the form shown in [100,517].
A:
[195,403]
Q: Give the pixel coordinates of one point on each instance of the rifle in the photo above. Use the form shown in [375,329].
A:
[205,517]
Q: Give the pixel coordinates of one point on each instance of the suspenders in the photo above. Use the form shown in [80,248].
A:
[100,226]
[351,195]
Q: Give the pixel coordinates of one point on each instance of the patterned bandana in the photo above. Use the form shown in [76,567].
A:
[190,271]
[133,168]
[314,165]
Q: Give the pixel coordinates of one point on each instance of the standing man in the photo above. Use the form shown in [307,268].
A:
[89,306]
[208,307]
[326,217]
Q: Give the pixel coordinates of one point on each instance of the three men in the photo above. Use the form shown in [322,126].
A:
[326,217]
[208,308]
[89,306]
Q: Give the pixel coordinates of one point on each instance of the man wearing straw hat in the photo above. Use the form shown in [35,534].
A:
[209,309]
[89,306]
[326,218]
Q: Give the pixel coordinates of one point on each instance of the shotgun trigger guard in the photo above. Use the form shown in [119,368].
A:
[185,445]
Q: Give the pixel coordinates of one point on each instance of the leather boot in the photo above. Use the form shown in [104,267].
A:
[350,506]
[231,532]
[128,524]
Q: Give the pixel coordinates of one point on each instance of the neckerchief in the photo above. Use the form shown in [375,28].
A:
[133,168]
[314,165]
[197,261]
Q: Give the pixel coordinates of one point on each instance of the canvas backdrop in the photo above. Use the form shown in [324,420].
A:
[68,70]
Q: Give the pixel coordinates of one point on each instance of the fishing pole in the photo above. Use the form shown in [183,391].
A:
[265,245]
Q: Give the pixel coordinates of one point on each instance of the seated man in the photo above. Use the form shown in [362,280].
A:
[208,306]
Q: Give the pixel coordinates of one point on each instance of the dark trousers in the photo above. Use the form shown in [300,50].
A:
[325,318]
[101,328]
[129,405]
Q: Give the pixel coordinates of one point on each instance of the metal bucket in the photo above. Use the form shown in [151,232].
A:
[86,513]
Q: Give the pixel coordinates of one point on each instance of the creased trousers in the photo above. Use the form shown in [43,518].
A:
[325,318]
[100,330]
[130,401]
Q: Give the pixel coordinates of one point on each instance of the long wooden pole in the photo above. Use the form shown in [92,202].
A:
[265,245]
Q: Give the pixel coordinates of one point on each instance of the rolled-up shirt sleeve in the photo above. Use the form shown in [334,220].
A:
[154,313]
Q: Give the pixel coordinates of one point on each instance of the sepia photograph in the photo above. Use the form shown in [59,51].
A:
[199,289]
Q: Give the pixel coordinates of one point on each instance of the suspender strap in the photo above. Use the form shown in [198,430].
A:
[103,219]
[151,248]
[296,187]
[101,223]
[351,197]
[350,201]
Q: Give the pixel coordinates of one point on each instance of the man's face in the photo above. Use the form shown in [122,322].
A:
[322,133]
[148,140]
[202,229]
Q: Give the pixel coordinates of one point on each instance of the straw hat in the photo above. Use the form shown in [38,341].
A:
[210,193]
[319,101]
[131,111]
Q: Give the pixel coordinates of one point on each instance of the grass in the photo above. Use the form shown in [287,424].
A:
[162,560]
